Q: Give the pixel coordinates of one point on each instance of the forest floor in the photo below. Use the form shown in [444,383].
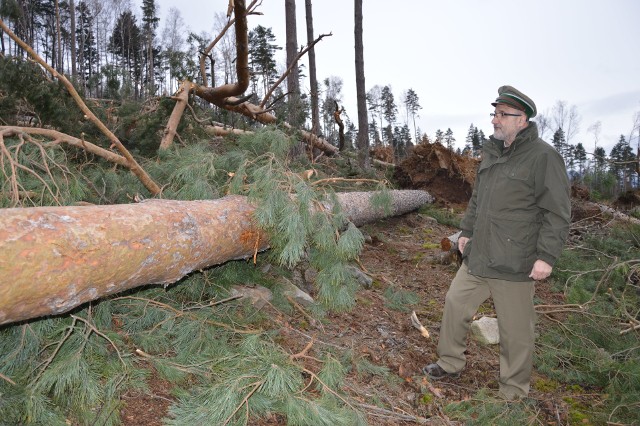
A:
[397,254]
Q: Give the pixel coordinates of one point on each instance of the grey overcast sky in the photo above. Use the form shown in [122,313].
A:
[455,54]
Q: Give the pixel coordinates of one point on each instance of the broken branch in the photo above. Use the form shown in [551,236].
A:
[132,164]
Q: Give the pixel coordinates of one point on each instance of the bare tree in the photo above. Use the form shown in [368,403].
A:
[226,48]
[566,118]
[363,119]
[374,99]
[544,124]
[595,128]
[173,39]
[332,90]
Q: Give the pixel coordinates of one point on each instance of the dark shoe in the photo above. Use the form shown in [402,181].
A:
[435,372]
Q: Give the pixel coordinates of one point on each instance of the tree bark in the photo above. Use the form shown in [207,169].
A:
[72,18]
[58,49]
[57,258]
[293,83]
[362,140]
[216,94]
[182,99]
[338,120]
[250,10]
[313,80]
[57,137]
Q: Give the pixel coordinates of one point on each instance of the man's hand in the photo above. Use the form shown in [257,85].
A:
[540,271]
[462,241]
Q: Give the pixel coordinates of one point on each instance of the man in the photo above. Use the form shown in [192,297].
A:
[512,233]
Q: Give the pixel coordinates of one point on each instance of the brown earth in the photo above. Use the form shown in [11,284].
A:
[398,254]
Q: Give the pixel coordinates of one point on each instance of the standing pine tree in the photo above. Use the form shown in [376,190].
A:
[439,138]
[449,140]
[402,140]
[87,52]
[313,79]
[623,163]
[473,143]
[149,25]
[361,96]
[580,158]
[374,134]
[559,142]
[570,160]
[596,179]
[481,137]
[412,105]
[389,111]
[72,41]
[295,110]
[126,43]
[262,58]
[476,144]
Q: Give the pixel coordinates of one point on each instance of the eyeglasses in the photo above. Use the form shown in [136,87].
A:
[502,114]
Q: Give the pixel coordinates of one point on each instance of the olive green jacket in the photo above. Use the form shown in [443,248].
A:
[519,210]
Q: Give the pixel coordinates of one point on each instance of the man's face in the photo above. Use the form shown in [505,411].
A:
[506,127]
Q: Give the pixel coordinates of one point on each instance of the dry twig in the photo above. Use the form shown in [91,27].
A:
[392,415]
[99,333]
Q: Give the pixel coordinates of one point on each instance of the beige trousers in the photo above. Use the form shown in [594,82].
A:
[513,302]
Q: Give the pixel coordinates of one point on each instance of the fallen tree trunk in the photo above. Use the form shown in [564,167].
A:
[308,137]
[616,214]
[56,258]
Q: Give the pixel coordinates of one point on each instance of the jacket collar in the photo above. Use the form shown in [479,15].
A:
[529,133]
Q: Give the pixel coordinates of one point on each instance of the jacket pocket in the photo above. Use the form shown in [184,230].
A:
[512,244]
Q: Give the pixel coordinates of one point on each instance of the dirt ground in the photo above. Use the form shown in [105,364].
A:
[394,256]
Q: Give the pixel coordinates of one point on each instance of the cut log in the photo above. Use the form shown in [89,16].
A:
[57,258]
[450,253]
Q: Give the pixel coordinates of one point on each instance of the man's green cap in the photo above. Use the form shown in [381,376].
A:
[514,98]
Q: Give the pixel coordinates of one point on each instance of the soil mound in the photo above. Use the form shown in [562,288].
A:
[448,176]
[628,200]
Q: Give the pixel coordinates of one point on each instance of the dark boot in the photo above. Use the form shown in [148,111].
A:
[435,372]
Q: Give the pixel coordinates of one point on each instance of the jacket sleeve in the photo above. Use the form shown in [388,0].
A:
[469,219]
[552,194]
